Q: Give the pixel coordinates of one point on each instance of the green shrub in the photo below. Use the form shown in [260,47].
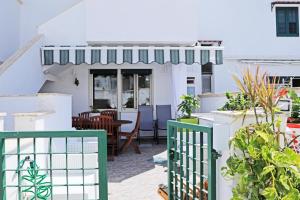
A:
[188,105]
[237,102]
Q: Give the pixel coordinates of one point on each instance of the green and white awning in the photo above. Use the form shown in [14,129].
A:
[63,55]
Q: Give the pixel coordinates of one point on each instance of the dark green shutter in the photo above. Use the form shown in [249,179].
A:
[95,56]
[143,56]
[111,56]
[205,57]
[48,57]
[80,56]
[159,56]
[64,57]
[127,56]
[189,57]
[219,57]
[174,56]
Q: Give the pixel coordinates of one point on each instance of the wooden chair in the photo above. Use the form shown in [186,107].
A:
[131,136]
[77,122]
[85,116]
[111,113]
[106,123]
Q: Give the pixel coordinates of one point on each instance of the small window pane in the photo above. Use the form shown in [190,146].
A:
[128,91]
[105,91]
[206,83]
[287,21]
[144,89]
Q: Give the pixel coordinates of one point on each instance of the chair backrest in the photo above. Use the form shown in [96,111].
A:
[85,115]
[110,113]
[77,122]
[103,122]
[163,114]
[146,115]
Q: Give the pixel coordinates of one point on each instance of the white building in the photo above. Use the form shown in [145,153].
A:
[121,54]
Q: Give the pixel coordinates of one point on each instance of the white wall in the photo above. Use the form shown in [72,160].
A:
[248,29]
[10,28]
[57,105]
[23,74]
[67,28]
[35,13]
[148,20]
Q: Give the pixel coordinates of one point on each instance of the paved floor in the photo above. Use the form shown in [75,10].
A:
[136,177]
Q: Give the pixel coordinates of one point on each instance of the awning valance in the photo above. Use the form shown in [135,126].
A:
[63,55]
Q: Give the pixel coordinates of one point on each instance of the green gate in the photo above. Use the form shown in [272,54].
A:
[53,165]
[191,162]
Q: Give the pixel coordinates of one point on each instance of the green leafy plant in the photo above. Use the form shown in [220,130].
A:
[236,102]
[295,104]
[263,167]
[188,105]
[264,170]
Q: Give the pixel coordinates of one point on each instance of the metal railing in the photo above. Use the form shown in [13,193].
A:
[69,164]
[191,162]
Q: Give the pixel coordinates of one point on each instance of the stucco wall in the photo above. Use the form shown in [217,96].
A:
[34,13]
[248,29]
[136,20]
[10,28]
[22,74]
[58,106]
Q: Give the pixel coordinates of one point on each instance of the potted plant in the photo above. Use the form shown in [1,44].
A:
[186,107]
[262,161]
[295,118]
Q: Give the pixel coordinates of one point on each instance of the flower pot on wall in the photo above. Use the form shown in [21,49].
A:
[192,120]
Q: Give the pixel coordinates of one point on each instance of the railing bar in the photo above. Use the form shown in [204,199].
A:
[54,169]
[211,168]
[187,161]
[34,158]
[2,167]
[18,170]
[201,164]
[82,165]
[67,172]
[181,161]
[170,140]
[50,158]
[56,185]
[102,159]
[194,164]
[22,154]
[176,167]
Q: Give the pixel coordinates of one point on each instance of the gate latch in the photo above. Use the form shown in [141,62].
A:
[215,154]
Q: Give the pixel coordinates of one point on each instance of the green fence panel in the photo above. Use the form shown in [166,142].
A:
[38,182]
[191,162]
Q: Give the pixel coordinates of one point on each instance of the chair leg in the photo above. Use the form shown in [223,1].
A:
[136,147]
[125,145]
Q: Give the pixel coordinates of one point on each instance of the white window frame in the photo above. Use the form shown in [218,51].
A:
[135,95]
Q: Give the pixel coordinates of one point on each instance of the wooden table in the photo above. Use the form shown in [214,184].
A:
[118,124]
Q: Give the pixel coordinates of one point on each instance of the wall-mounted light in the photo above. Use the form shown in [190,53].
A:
[76,81]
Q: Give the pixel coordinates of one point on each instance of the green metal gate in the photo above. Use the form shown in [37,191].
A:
[191,162]
[67,160]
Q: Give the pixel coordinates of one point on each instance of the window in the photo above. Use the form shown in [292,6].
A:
[105,89]
[290,81]
[136,88]
[287,21]
[191,89]
[207,71]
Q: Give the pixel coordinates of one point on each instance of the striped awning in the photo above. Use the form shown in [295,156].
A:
[77,55]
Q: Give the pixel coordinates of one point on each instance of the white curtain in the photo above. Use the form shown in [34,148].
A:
[179,76]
